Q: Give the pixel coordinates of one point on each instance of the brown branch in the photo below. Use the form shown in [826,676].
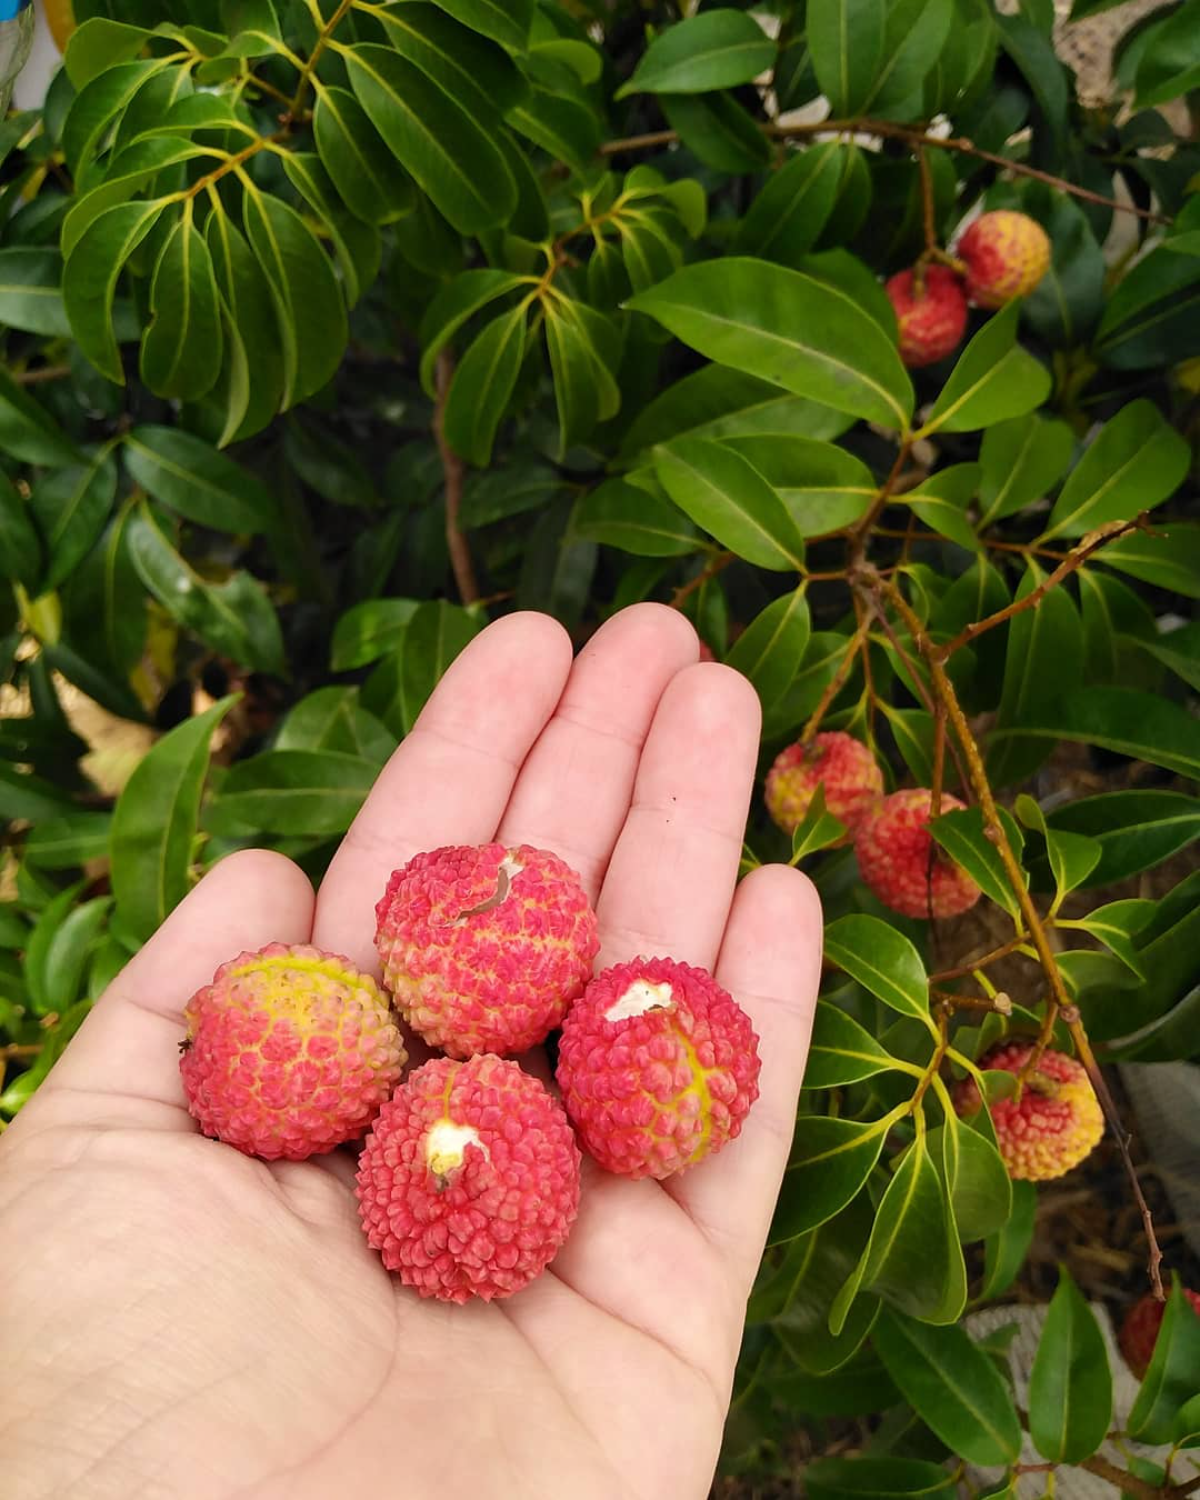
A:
[859,534]
[928,205]
[835,684]
[453,472]
[1074,559]
[717,565]
[890,130]
[1000,1006]
[1124,1480]
[994,956]
[42,375]
[1058,1002]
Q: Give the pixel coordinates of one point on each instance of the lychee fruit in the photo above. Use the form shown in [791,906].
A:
[931,314]
[841,764]
[1005,254]
[658,1067]
[484,947]
[289,1051]
[1139,1331]
[1052,1126]
[469,1181]
[903,866]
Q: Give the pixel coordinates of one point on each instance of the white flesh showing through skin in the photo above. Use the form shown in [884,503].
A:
[640,997]
[446,1144]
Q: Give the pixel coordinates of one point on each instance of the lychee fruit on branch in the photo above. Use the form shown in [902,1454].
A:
[899,861]
[931,313]
[1139,1331]
[841,764]
[469,1182]
[658,1067]
[1052,1126]
[1005,254]
[289,1051]
[484,947]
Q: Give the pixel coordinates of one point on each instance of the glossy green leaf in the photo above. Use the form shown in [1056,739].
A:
[916,33]
[1174,1373]
[99,106]
[731,500]
[961,834]
[975,1176]
[63,843]
[842,1051]
[941,501]
[817,829]
[786,218]
[637,520]
[194,479]
[98,44]
[1070,1387]
[505,21]
[154,824]
[90,278]
[181,348]
[1135,830]
[363,170]
[332,718]
[1139,725]
[71,507]
[845,38]
[58,949]
[717,130]
[1022,459]
[1005,1251]
[470,69]
[581,345]
[483,386]
[460,299]
[770,649]
[831,1160]
[21,554]
[368,631]
[398,689]
[882,960]
[993,380]
[716,50]
[888,1478]
[31,290]
[823,486]
[787,327]
[358,245]
[1072,856]
[309,792]
[1170,558]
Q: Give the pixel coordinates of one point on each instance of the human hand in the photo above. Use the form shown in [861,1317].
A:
[183,1322]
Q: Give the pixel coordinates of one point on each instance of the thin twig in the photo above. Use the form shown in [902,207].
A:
[42,375]
[453,472]
[1124,1480]
[835,684]
[314,57]
[928,206]
[860,532]
[980,963]
[718,565]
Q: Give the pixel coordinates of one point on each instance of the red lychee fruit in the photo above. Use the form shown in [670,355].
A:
[841,764]
[469,1181]
[658,1067]
[1139,1331]
[899,861]
[1052,1126]
[931,319]
[484,947]
[1006,254]
[289,1051]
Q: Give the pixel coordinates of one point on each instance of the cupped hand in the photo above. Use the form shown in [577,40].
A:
[180,1322]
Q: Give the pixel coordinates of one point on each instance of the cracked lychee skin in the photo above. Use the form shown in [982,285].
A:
[1139,1331]
[895,849]
[289,1051]
[931,322]
[484,947]
[1006,254]
[469,1182]
[658,1067]
[845,767]
[1055,1123]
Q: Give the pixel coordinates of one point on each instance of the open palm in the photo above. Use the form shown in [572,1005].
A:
[181,1321]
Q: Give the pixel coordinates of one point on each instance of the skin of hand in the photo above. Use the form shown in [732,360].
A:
[181,1322]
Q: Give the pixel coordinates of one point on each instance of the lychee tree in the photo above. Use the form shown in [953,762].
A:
[333,329]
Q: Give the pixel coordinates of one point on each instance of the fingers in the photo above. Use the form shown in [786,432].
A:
[450,780]
[672,873]
[127,1051]
[770,962]
[573,793]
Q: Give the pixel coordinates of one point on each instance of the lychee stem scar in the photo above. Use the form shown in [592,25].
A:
[640,997]
[446,1144]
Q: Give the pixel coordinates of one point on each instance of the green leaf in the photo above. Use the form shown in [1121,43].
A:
[889,1478]
[842,1051]
[1070,1387]
[789,327]
[941,502]
[90,279]
[786,218]
[1117,924]
[28,431]
[449,154]
[29,798]
[817,829]
[58,949]
[368,631]
[358,245]
[398,689]
[181,348]
[717,130]
[98,107]
[637,520]
[459,300]
[953,1386]
[510,491]
[31,291]
[71,507]
[20,549]
[1170,558]
[1135,463]
[1022,460]
[483,385]
[472,71]
[717,50]
[845,38]
[66,842]
[309,792]
[823,486]
[363,170]
[961,834]
[994,379]
[1072,856]
[1174,1373]
[98,44]
[975,1175]
[582,347]
[154,824]
[252,332]
[309,306]
[1135,830]
[882,960]
[1169,65]
[1178,649]
[1139,725]
[916,33]
[831,1160]
[505,21]
[197,481]
[1006,1250]
[731,500]
[333,719]
[770,649]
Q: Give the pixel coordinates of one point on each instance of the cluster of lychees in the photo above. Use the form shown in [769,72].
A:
[1001,255]
[469,1180]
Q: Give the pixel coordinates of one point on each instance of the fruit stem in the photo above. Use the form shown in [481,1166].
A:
[453,471]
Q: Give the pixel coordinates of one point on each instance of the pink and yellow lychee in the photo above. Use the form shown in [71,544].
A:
[1054,1124]
[901,864]
[838,762]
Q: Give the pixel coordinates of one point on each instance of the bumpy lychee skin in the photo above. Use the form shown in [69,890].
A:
[845,767]
[658,1067]
[1055,1123]
[469,1182]
[932,319]
[1139,1331]
[289,1051]
[484,947]
[899,861]
[1006,254]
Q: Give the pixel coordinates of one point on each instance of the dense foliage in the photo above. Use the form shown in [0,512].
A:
[331,330]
